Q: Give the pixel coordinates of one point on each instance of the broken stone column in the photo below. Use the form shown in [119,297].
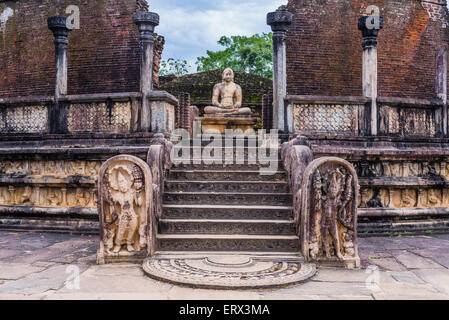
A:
[58,25]
[370,26]
[441,83]
[146,22]
[279,21]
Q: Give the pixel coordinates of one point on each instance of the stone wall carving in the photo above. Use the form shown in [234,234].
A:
[103,117]
[125,208]
[36,195]
[419,197]
[326,118]
[407,121]
[402,169]
[54,168]
[329,213]
[24,119]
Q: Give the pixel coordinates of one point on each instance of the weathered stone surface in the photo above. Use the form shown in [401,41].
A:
[218,124]
[227,97]
[125,194]
[406,291]
[229,272]
[329,288]
[413,261]
[439,279]
[14,271]
[389,264]
[330,191]
[340,275]
[51,252]
[407,277]
[125,281]
[5,254]
[51,278]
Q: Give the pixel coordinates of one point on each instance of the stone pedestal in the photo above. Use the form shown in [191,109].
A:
[219,123]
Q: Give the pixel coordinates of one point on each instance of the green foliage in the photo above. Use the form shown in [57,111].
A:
[174,67]
[245,54]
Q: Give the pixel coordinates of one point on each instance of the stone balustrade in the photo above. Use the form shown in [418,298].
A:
[89,113]
[351,116]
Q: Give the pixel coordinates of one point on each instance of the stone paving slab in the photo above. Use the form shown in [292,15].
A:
[406,291]
[34,266]
[340,275]
[328,288]
[407,277]
[181,293]
[413,261]
[51,278]
[14,271]
[388,264]
[6,253]
[439,279]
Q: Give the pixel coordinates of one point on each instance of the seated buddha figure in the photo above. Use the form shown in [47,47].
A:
[227,97]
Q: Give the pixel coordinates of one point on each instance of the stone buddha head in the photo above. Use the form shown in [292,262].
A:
[228,75]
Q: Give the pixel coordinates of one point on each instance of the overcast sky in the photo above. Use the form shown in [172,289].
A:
[191,27]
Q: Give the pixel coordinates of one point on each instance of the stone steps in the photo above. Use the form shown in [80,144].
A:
[227,207]
[195,164]
[210,152]
[226,175]
[231,198]
[227,186]
[226,242]
[233,212]
[227,226]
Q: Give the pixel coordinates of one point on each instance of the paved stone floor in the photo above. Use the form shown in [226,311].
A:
[43,266]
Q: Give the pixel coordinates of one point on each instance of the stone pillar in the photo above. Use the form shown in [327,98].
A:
[58,112]
[279,22]
[370,26]
[146,22]
[441,84]
[58,25]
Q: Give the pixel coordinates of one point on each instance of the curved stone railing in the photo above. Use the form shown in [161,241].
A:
[296,156]
[159,161]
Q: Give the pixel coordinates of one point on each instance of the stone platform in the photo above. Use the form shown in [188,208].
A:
[219,123]
[229,271]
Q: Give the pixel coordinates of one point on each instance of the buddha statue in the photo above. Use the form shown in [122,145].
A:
[230,96]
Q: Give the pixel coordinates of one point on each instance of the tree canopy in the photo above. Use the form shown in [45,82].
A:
[245,54]
[174,67]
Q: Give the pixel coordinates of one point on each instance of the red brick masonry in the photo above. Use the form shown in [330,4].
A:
[324,54]
[103,54]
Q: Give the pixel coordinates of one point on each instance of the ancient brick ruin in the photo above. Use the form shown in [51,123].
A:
[103,55]
[358,103]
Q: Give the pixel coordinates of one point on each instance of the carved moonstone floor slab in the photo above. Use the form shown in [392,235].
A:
[229,271]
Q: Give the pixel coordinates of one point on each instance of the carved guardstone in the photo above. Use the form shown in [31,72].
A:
[125,200]
[330,191]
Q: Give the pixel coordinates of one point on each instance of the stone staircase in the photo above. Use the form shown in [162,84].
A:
[227,208]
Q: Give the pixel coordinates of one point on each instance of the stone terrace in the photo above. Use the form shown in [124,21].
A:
[37,266]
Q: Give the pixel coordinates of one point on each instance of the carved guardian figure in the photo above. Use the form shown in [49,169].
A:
[330,193]
[125,202]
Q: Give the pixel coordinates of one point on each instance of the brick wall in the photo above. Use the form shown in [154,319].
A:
[324,53]
[103,54]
